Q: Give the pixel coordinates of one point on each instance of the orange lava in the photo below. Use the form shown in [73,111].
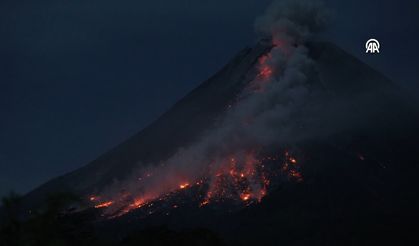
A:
[245,196]
[238,177]
[104,205]
[184,185]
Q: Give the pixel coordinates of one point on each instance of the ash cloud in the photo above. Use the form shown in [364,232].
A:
[294,20]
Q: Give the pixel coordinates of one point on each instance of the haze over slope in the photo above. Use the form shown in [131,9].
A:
[340,83]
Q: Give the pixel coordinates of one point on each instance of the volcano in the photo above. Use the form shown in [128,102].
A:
[345,171]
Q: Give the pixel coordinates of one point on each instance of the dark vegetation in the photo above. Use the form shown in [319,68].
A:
[48,226]
[56,225]
[60,224]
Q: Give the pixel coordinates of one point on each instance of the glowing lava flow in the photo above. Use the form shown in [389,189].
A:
[104,204]
[240,179]
[184,185]
[265,72]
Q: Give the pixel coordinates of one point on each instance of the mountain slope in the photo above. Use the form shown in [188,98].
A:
[336,71]
[182,124]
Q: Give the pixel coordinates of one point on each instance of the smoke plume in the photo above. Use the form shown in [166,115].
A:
[292,21]
[281,106]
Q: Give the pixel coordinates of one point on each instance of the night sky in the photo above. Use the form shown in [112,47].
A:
[78,77]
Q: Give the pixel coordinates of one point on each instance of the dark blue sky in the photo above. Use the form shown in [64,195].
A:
[78,77]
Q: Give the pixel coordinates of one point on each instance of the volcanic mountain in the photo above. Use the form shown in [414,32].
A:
[346,174]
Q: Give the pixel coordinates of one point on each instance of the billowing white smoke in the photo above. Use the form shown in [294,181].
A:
[281,112]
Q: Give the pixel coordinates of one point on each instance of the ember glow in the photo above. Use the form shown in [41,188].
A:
[238,177]
[245,196]
[104,205]
[242,178]
[265,72]
[184,185]
[265,69]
